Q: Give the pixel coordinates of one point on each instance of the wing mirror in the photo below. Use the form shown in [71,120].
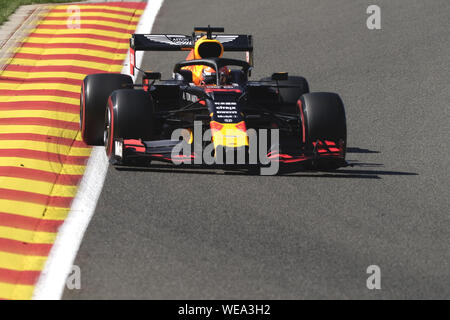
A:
[187,75]
[278,76]
[152,75]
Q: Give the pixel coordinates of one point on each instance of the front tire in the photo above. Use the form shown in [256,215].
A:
[323,118]
[95,91]
[129,115]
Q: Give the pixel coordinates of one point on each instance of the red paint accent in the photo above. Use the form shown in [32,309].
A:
[289,159]
[40,105]
[77,57]
[41,92]
[132,61]
[241,126]
[300,159]
[133,141]
[215,126]
[18,277]
[60,80]
[299,103]
[40,175]
[73,46]
[42,138]
[78,35]
[72,69]
[145,87]
[137,145]
[328,148]
[84,26]
[101,10]
[130,5]
[28,223]
[111,130]
[95,19]
[31,197]
[45,156]
[275,155]
[19,247]
[41,122]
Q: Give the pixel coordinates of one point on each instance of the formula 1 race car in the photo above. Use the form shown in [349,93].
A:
[210,110]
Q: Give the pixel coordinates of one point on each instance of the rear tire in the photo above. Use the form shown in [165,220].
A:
[291,95]
[95,91]
[323,118]
[130,115]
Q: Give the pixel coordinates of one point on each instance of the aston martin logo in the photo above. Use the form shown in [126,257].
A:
[222,37]
[173,40]
[182,40]
[225,38]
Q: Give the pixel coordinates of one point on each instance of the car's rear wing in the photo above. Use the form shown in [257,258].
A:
[177,42]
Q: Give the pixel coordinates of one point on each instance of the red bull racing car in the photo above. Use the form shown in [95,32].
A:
[210,111]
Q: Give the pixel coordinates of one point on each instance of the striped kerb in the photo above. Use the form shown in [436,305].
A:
[42,157]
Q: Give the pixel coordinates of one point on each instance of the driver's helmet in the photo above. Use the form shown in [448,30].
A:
[209,76]
[206,48]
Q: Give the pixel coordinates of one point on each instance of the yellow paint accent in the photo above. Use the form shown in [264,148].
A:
[16,291]
[115,45]
[203,41]
[17,262]
[91,20]
[22,262]
[111,8]
[230,136]
[65,63]
[191,136]
[64,116]
[36,75]
[44,147]
[85,52]
[41,187]
[94,14]
[51,131]
[40,98]
[28,236]
[39,86]
[118,35]
[33,210]
[53,167]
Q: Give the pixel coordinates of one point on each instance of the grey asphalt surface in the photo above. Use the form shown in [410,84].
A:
[172,234]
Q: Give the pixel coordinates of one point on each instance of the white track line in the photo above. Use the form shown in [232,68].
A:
[51,283]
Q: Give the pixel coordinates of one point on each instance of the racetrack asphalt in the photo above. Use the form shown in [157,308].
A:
[210,234]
